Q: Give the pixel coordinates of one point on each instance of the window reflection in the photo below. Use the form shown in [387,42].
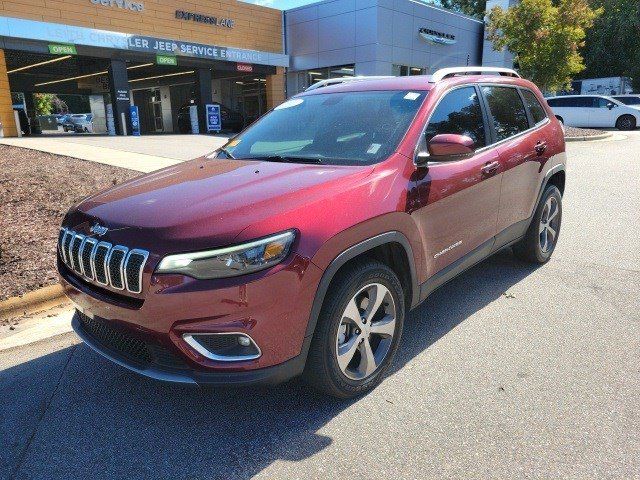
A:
[507,110]
[458,112]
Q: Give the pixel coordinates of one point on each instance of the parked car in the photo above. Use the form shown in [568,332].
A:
[299,247]
[231,120]
[79,123]
[630,100]
[594,111]
[61,118]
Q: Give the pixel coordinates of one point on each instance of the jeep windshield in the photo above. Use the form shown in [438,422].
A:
[347,128]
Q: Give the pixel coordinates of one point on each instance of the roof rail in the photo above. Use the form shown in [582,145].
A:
[337,81]
[453,71]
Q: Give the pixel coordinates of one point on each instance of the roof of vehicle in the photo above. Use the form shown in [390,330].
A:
[580,96]
[455,75]
[417,82]
[414,82]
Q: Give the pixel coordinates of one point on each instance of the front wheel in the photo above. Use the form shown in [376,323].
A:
[626,122]
[358,331]
[540,240]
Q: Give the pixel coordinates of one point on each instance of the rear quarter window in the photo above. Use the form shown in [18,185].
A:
[531,101]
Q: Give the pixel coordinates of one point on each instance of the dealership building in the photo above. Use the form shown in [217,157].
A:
[165,57]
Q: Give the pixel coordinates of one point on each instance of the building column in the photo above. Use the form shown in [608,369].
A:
[7,117]
[119,90]
[203,96]
[275,88]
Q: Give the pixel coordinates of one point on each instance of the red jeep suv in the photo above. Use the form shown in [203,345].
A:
[298,247]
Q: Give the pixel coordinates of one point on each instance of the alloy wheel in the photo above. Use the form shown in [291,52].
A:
[366,331]
[549,225]
[626,123]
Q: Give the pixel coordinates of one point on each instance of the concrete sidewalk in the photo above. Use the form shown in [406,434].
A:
[144,154]
[34,328]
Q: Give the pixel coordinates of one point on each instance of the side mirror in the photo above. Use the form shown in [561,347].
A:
[446,147]
[610,105]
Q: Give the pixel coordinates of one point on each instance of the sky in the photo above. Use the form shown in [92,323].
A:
[282,4]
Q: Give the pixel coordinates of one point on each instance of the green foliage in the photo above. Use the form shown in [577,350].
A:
[48,103]
[612,46]
[473,8]
[544,38]
[43,103]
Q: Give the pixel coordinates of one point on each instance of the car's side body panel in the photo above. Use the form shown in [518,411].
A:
[459,208]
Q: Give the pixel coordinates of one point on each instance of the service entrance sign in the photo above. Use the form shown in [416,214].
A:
[214,122]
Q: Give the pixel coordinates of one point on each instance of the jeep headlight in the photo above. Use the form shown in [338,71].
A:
[230,261]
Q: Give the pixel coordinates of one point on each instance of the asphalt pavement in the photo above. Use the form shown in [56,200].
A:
[509,371]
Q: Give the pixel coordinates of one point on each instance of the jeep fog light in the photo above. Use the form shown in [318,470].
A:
[223,347]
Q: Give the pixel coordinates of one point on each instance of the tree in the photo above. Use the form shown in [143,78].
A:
[473,8]
[544,38]
[43,103]
[59,105]
[612,46]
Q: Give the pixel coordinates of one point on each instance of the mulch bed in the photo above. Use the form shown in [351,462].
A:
[36,190]
[581,132]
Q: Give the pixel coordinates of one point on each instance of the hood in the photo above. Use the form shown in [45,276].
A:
[206,203]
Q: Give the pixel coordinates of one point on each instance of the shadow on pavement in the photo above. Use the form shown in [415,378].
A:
[105,422]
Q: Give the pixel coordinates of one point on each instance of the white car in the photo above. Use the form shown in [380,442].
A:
[594,111]
[79,123]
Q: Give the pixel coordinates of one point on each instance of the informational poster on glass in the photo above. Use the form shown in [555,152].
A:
[135,120]
[214,122]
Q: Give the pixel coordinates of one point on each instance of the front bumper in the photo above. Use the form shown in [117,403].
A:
[264,376]
[271,307]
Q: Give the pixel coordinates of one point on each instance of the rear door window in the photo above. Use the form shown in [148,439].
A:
[537,112]
[458,112]
[507,111]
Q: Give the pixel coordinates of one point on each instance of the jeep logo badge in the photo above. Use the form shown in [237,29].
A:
[98,229]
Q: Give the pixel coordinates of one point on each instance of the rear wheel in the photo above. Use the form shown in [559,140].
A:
[540,240]
[626,122]
[358,331]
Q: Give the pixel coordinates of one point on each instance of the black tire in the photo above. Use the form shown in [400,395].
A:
[626,122]
[322,370]
[530,248]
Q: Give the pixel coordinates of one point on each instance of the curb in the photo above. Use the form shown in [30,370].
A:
[43,327]
[33,302]
[588,138]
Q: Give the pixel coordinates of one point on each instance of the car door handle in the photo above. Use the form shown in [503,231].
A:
[490,167]
[540,147]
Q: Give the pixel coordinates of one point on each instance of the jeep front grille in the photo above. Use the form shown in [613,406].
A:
[101,262]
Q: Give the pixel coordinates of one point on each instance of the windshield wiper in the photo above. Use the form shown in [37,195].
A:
[226,152]
[289,159]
